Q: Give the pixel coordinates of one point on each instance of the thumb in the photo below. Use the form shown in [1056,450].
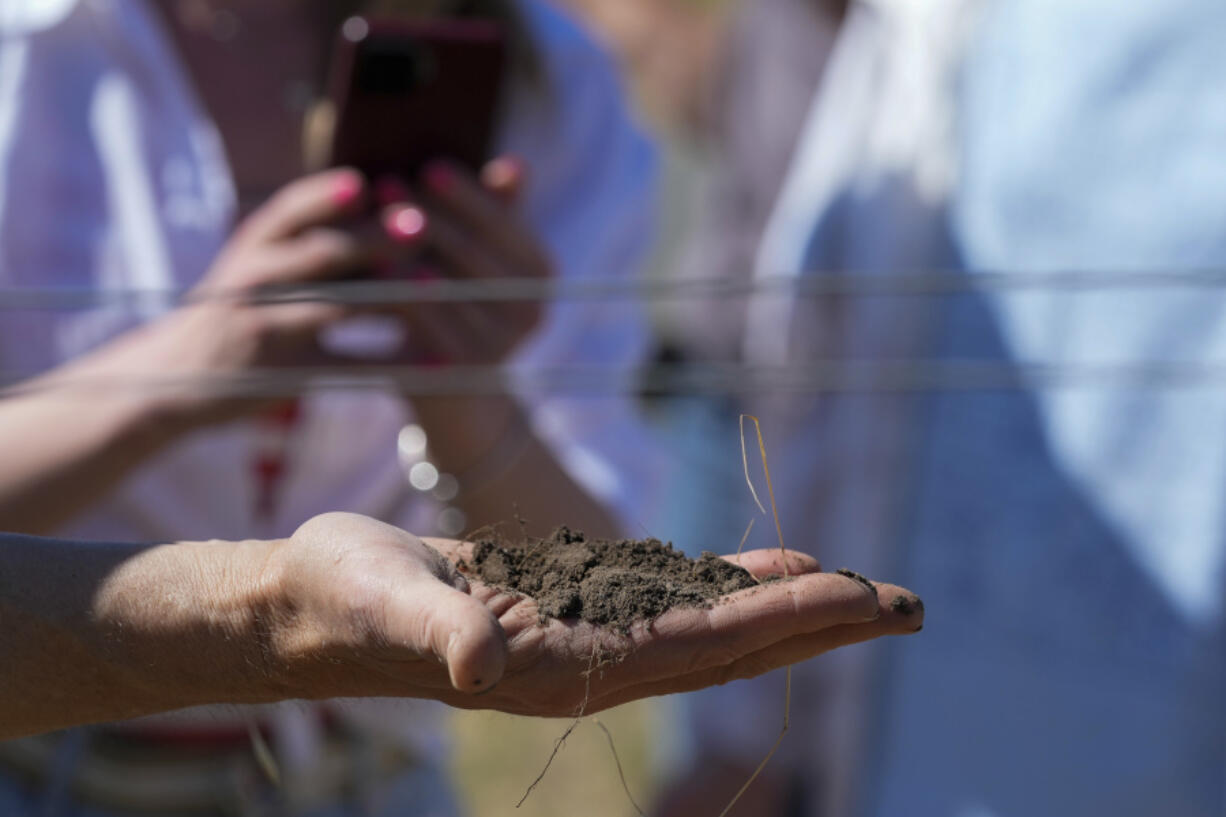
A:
[458,629]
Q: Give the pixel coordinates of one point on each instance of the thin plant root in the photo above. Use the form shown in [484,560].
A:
[787,692]
[745,538]
[557,746]
[787,722]
[620,772]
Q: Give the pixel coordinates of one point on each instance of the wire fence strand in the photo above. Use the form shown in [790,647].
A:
[697,378]
[866,377]
[815,284]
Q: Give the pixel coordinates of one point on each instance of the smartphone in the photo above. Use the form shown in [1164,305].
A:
[405,93]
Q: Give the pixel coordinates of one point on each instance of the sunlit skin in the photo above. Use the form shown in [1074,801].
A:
[351,607]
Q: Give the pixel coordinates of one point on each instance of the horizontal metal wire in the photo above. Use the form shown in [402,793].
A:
[664,381]
[809,285]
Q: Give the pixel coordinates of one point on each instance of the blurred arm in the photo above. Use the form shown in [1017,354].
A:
[108,632]
[66,445]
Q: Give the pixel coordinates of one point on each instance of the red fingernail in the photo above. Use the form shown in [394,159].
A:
[405,225]
[347,190]
[440,177]
[389,190]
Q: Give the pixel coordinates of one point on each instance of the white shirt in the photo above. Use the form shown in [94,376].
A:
[112,178]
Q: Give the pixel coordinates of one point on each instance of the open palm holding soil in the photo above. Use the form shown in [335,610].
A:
[350,607]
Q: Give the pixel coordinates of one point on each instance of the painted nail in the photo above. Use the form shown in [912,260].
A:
[347,190]
[390,190]
[440,177]
[405,225]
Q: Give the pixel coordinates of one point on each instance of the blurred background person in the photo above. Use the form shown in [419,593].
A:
[1018,203]
[133,137]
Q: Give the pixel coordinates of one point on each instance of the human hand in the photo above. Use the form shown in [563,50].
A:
[350,607]
[316,229]
[379,612]
[472,231]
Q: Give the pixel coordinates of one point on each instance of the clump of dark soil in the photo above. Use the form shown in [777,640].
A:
[611,583]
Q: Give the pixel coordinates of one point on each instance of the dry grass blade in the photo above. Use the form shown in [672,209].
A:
[263,753]
[745,461]
[787,692]
[770,486]
[744,538]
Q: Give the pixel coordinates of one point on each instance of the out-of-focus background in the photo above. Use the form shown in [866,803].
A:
[965,258]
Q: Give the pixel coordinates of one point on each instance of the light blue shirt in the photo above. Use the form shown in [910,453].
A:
[1069,542]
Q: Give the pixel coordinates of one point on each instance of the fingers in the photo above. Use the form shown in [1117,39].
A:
[318,255]
[491,330]
[472,234]
[435,616]
[900,612]
[323,198]
[685,641]
[763,563]
[446,334]
[292,325]
[904,617]
[324,253]
[479,213]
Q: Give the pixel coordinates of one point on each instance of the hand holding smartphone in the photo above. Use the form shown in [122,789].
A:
[416,107]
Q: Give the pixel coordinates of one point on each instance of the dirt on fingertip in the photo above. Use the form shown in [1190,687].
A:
[856,577]
[609,583]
